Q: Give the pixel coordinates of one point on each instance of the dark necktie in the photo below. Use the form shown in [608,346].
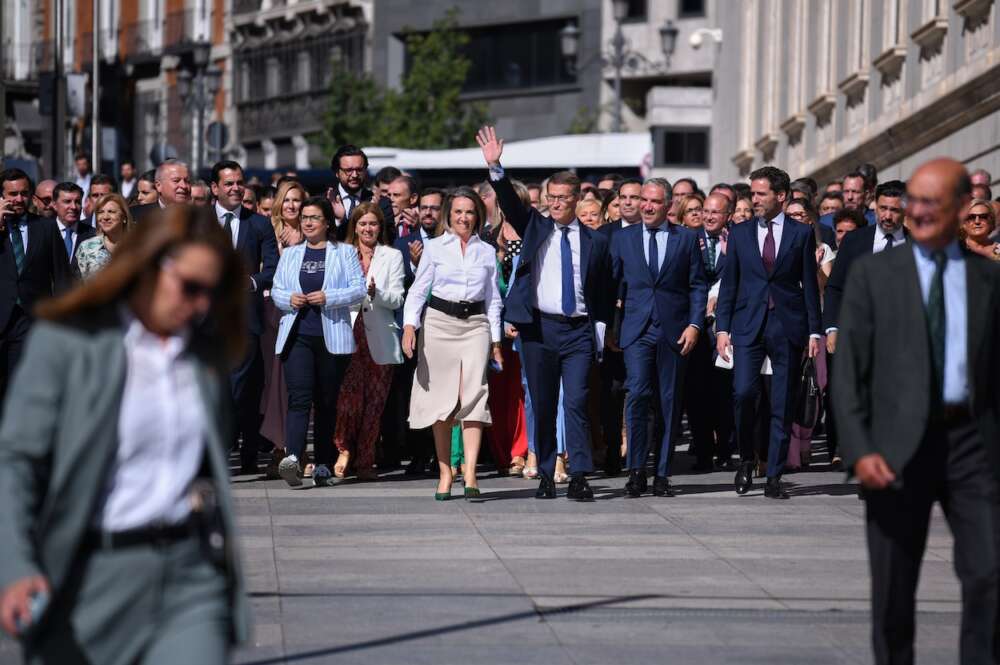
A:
[710,263]
[568,286]
[17,244]
[768,256]
[654,254]
[936,318]
[68,241]
[768,253]
[888,242]
[228,217]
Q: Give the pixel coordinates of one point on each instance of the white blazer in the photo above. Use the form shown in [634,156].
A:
[343,284]
[381,329]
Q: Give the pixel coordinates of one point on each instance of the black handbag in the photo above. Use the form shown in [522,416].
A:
[807,400]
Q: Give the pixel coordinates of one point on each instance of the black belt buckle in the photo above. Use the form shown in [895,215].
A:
[463,309]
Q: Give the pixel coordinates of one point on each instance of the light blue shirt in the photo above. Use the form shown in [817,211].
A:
[661,243]
[956,357]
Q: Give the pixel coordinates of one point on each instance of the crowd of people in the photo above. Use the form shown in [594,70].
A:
[420,324]
[556,327]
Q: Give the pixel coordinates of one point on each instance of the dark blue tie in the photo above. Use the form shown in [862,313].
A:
[68,239]
[568,284]
[654,253]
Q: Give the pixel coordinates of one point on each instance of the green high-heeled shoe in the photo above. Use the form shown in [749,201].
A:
[471,492]
[442,496]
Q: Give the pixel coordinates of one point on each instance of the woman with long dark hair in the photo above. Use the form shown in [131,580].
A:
[314,286]
[127,539]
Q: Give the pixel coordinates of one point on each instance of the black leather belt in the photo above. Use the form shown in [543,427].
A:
[572,320]
[955,414]
[157,536]
[460,310]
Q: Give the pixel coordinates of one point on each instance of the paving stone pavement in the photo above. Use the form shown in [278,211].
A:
[379,573]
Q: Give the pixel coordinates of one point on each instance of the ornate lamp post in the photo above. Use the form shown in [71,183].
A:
[619,55]
[197,92]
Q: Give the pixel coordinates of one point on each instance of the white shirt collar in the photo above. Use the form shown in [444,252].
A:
[220,212]
[136,335]
[572,226]
[63,227]
[777,221]
[449,236]
[896,235]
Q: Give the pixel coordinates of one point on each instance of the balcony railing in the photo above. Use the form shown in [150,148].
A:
[246,6]
[292,114]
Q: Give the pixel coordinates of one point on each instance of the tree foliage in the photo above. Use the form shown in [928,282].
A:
[426,112]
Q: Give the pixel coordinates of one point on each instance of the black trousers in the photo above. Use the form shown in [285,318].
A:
[612,405]
[11,345]
[952,467]
[246,383]
[708,401]
[829,422]
[398,440]
[313,376]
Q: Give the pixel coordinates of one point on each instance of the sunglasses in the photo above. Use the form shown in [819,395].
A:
[976,216]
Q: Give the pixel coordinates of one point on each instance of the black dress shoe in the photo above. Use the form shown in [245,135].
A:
[579,490]
[636,484]
[773,489]
[661,486]
[546,489]
[727,464]
[744,478]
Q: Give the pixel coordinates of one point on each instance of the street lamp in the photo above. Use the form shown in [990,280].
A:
[197,92]
[619,56]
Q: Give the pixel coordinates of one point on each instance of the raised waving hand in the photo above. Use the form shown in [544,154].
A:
[492,146]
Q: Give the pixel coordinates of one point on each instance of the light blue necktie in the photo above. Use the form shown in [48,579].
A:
[68,240]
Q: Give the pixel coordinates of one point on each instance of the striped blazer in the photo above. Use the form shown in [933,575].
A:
[343,284]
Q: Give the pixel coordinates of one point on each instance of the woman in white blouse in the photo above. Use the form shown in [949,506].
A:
[376,336]
[457,281]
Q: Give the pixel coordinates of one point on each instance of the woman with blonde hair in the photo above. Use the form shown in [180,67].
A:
[689,211]
[588,211]
[285,213]
[113,220]
[978,224]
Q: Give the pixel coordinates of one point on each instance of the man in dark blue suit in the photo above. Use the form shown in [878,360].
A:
[661,278]
[768,307]
[253,237]
[561,297]
[350,167]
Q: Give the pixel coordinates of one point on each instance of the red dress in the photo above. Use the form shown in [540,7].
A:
[361,400]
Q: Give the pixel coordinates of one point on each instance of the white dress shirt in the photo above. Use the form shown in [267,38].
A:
[221,213]
[880,239]
[72,233]
[126,187]
[778,224]
[83,182]
[450,275]
[161,435]
[548,277]
[349,200]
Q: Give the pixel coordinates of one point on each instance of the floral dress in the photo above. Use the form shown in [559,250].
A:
[91,256]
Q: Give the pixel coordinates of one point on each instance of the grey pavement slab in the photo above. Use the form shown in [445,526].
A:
[379,573]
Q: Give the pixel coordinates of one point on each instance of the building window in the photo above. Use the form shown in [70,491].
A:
[691,8]
[273,80]
[636,10]
[304,67]
[515,57]
[682,146]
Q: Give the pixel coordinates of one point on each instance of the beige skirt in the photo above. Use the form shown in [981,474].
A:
[452,365]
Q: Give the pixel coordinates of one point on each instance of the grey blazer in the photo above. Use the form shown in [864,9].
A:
[58,436]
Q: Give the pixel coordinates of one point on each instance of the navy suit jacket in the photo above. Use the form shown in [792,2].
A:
[679,293]
[340,232]
[258,247]
[743,294]
[534,228]
[403,245]
[712,276]
[84,231]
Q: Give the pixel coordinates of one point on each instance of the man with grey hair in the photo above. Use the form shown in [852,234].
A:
[173,187]
[201,193]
